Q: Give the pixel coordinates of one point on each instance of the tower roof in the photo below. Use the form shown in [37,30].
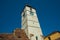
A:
[27,5]
[52,33]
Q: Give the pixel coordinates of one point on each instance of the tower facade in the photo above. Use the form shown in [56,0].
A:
[30,23]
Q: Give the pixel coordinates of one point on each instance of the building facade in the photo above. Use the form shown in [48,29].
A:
[30,24]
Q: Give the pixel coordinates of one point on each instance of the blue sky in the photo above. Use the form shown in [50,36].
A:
[48,12]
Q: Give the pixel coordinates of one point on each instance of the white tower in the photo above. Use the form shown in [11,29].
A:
[30,23]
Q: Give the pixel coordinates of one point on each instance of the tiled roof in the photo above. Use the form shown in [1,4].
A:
[52,33]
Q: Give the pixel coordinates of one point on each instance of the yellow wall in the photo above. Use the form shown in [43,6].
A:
[46,39]
[53,36]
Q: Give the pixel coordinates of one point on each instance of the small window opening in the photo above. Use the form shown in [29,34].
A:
[24,15]
[19,36]
[36,38]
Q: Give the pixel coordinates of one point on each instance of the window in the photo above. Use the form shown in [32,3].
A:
[32,13]
[36,38]
[24,15]
[19,36]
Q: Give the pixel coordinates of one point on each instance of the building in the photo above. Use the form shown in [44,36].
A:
[18,34]
[53,36]
[30,23]
[30,29]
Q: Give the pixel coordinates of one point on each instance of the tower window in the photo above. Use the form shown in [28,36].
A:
[32,13]
[24,15]
[36,38]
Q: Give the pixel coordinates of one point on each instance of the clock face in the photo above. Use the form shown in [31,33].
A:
[31,13]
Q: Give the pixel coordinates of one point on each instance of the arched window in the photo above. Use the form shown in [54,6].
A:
[36,38]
